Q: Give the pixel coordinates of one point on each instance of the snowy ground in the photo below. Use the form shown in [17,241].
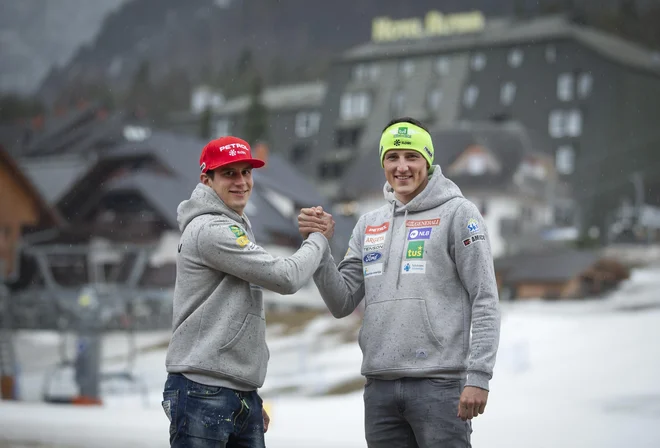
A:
[579,374]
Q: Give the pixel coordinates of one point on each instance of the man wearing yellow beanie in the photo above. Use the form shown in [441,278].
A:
[423,265]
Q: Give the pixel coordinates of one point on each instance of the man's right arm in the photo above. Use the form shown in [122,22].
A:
[221,249]
[342,287]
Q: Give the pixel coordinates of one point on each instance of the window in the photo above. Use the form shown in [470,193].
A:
[477,164]
[442,65]
[299,153]
[347,137]
[470,96]
[565,123]
[565,159]
[556,124]
[515,57]
[406,68]
[374,71]
[478,62]
[360,72]
[550,54]
[507,93]
[573,123]
[363,72]
[398,103]
[354,105]
[221,127]
[330,170]
[585,84]
[433,99]
[307,123]
[565,86]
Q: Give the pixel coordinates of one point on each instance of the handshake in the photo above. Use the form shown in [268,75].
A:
[315,219]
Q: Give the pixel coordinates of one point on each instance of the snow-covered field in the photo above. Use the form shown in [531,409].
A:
[578,374]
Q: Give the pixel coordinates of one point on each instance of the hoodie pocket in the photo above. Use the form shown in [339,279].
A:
[245,356]
[397,335]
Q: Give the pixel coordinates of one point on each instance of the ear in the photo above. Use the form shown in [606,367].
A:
[203,178]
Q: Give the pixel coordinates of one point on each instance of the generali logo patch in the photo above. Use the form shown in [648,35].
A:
[423,222]
[375,230]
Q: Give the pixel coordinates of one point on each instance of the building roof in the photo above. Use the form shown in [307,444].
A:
[294,96]
[501,32]
[48,215]
[510,143]
[55,175]
[546,266]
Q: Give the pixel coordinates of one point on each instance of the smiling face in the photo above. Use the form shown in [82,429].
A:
[232,183]
[407,172]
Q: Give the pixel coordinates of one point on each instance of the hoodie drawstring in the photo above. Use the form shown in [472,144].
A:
[388,237]
[403,250]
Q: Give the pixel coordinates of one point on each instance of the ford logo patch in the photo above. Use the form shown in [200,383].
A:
[372,256]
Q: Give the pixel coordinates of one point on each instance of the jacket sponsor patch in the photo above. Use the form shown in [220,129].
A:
[371,257]
[237,231]
[473,225]
[242,241]
[374,239]
[423,222]
[413,267]
[474,239]
[373,269]
[374,230]
[415,250]
[422,233]
[373,247]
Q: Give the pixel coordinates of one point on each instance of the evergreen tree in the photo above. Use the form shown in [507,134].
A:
[256,117]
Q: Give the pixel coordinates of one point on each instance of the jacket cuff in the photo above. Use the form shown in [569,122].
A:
[320,240]
[478,379]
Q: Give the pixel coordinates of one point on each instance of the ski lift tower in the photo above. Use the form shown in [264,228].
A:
[110,285]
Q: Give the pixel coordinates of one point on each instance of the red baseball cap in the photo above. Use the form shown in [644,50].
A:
[225,150]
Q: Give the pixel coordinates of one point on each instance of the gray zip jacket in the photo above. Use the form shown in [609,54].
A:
[218,324]
[426,272]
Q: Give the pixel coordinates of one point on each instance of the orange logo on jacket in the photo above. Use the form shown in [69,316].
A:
[374,230]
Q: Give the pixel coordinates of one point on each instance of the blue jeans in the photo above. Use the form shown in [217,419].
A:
[209,416]
[414,413]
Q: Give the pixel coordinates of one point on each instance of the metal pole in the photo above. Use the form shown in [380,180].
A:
[7,354]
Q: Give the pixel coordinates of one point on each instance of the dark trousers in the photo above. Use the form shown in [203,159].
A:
[209,416]
[414,413]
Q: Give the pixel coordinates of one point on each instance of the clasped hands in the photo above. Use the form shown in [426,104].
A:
[315,219]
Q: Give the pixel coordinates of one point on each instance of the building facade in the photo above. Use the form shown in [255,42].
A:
[590,96]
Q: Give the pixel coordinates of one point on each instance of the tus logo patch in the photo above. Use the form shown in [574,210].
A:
[423,233]
[415,250]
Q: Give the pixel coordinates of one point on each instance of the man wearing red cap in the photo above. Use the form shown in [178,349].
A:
[217,356]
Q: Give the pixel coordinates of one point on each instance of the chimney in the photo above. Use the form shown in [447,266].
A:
[261,151]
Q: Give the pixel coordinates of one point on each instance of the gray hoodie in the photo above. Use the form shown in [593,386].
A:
[218,324]
[426,272]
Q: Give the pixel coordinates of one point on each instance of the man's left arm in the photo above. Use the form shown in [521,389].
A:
[474,262]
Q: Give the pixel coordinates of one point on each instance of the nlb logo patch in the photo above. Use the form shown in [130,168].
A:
[423,222]
[372,256]
[415,250]
[423,233]
[374,230]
